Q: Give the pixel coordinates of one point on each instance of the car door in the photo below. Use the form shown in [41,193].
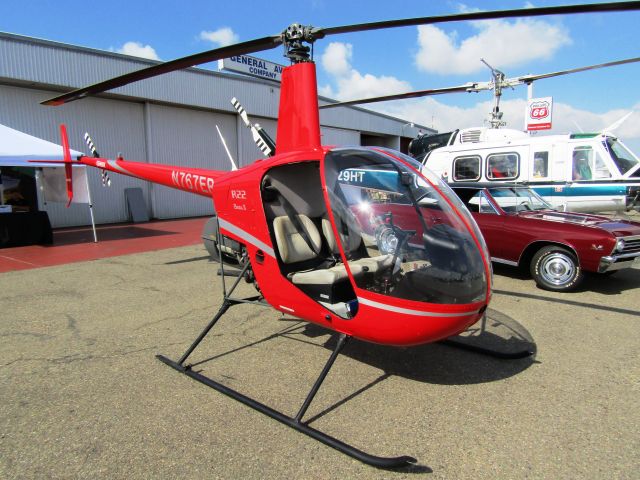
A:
[486,216]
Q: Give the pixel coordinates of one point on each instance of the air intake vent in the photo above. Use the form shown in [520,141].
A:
[470,136]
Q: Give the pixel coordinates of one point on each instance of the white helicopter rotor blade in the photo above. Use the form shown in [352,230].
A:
[531,78]
[617,123]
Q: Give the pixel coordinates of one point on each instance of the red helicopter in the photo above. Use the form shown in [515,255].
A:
[322,232]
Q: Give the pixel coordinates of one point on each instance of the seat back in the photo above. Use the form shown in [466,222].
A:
[291,244]
[351,242]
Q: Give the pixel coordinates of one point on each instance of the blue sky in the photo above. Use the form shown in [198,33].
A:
[383,62]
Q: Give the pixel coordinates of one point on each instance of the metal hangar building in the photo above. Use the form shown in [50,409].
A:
[170,119]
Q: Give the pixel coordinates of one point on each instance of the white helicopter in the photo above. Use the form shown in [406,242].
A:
[583,172]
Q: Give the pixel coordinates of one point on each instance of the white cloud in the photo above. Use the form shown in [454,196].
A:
[337,57]
[136,49]
[222,37]
[566,118]
[351,84]
[348,83]
[503,44]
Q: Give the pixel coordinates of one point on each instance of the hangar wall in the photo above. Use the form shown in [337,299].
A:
[169,119]
[115,126]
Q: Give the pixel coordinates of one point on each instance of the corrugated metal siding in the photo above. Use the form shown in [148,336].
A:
[181,136]
[115,126]
[335,136]
[50,63]
[168,119]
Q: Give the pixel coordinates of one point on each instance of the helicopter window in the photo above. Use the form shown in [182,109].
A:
[588,164]
[624,159]
[503,166]
[540,164]
[466,168]
[401,230]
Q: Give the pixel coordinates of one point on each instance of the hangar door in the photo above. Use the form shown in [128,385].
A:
[339,137]
[187,137]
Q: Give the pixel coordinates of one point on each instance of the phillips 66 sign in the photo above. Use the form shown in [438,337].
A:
[538,114]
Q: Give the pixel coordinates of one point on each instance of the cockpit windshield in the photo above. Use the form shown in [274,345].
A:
[401,231]
[624,159]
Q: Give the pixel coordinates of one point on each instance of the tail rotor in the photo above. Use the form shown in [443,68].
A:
[104,175]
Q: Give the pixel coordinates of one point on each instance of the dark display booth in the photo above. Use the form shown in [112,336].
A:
[21,223]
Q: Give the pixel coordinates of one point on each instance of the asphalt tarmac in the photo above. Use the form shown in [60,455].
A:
[83,396]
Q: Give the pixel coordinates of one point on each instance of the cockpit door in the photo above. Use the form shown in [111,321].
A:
[400,237]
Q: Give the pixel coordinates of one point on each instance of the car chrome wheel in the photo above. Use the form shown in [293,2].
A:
[556,268]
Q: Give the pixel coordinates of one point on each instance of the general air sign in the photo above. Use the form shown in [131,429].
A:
[256,67]
[538,114]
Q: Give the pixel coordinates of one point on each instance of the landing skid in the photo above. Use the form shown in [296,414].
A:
[296,422]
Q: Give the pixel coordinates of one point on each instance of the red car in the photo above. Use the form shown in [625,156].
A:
[521,229]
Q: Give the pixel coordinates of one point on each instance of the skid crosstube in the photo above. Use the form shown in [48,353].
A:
[381,462]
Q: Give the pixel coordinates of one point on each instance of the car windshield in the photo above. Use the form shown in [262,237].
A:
[518,199]
[624,159]
[397,226]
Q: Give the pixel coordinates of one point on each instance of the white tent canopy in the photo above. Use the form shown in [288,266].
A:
[18,148]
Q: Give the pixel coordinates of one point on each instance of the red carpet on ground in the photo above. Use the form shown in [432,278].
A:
[76,244]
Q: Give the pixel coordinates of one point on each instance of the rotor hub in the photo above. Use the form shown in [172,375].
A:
[293,39]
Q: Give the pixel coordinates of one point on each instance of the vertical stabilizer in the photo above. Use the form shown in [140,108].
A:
[68,169]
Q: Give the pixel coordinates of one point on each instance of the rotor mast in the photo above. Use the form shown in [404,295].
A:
[298,115]
[498,83]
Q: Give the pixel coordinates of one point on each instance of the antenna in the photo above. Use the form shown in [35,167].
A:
[617,123]
[224,144]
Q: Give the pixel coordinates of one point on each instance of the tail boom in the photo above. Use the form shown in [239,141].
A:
[194,180]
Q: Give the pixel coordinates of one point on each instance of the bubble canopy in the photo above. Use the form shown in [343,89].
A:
[407,229]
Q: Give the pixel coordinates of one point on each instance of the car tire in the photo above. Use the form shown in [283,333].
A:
[557,269]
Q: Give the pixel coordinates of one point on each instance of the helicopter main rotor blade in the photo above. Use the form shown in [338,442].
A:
[476,87]
[251,46]
[531,78]
[488,15]
[312,34]
[469,87]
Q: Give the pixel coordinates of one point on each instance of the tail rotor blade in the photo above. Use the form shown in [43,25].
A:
[104,175]
[91,146]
